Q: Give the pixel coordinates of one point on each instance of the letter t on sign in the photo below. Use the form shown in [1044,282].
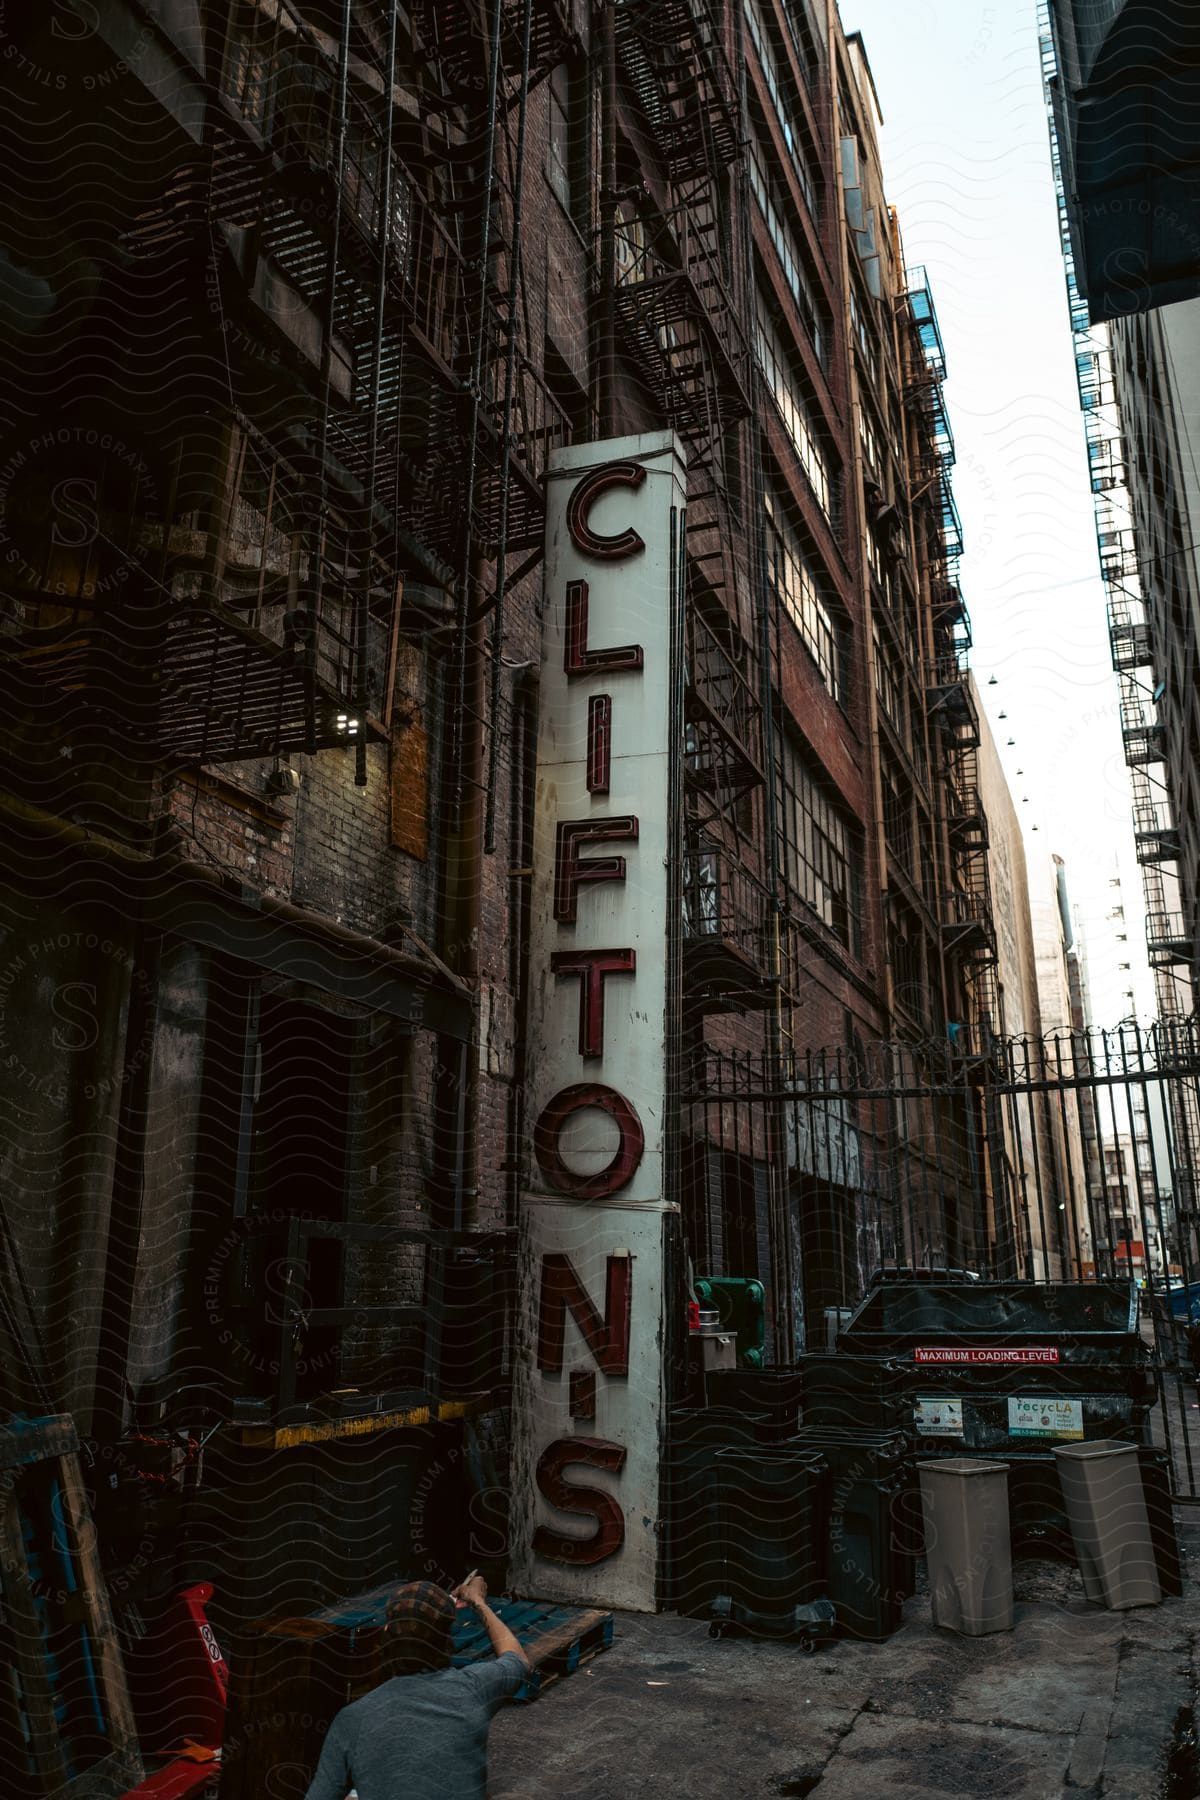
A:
[592,966]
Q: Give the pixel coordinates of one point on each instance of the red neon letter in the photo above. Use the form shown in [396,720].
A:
[623,1167]
[570,872]
[585,494]
[606,1540]
[592,966]
[599,743]
[607,1338]
[577,658]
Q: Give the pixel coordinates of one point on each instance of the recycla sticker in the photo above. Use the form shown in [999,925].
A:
[1044,1415]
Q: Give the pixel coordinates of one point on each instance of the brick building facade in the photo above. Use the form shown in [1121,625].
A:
[308,296]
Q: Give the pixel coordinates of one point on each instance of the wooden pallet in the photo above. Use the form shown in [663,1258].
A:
[66,1723]
[557,1639]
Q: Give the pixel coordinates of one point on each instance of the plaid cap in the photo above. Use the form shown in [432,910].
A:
[421,1612]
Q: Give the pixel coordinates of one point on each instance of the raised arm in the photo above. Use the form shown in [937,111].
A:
[473,1593]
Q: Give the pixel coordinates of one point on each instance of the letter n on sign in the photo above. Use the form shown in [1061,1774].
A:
[607,1338]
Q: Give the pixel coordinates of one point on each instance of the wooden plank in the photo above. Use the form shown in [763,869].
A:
[562,1637]
[28,1441]
[410,790]
[327,1431]
[102,1630]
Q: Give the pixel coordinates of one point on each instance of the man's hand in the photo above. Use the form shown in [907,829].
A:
[471,1592]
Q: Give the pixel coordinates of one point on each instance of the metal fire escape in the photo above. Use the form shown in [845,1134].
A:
[424,452]
[677,313]
[967,928]
[484,58]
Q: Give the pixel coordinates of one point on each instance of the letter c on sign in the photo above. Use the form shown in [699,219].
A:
[586,493]
[628,1154]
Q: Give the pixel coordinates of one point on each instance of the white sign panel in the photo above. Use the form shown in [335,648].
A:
[939,1418]
[1044,1416]
[589,1384]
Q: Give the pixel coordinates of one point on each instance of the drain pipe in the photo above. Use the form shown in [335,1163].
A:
[607,360]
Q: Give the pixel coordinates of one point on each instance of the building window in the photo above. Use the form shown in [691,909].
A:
[869,440]
[788,250]
[796,585]
[820,849]
[792,405]
[566,150]
[862,338]
[804,37]
[794,136]
[889,684]
[897,820]
[904,958]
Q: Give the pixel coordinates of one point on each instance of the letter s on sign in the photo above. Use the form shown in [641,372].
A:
[607,1539]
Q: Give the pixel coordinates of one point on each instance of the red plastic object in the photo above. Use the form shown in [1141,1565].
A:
[178,1679]
[693,1315]
[179,1778]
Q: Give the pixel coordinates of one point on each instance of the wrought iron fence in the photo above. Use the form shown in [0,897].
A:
[1072,1157]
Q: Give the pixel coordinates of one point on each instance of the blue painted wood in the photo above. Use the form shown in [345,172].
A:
[528,1620]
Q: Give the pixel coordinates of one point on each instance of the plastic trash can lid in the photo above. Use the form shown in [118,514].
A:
[964,1465]
[1098,1447]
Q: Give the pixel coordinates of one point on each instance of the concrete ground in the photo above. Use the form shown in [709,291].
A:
[1074,1702]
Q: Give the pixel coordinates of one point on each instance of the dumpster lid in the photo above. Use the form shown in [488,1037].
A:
[1054,1319]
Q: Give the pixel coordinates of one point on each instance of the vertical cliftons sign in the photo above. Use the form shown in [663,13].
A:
[589,1378]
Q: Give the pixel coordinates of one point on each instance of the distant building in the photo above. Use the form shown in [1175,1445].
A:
[1156,389]
[1126,164]
[1122,84]
[1063,1231]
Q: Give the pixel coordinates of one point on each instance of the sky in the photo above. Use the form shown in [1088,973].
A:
[966,162]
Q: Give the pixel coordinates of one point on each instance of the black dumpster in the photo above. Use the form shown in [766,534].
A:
[772,1526]
[869,1550]
[999,1366]
[860,1392]
[694,1556]
[775,1393]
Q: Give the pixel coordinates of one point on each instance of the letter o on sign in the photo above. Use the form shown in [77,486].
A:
[548,1130]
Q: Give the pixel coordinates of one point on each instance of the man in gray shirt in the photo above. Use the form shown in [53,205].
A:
[423,1734]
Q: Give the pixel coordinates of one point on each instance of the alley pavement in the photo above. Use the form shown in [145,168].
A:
[1074,1702]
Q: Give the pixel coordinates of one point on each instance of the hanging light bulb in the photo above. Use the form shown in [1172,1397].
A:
[1002,715]
[992,681]
[1012,740]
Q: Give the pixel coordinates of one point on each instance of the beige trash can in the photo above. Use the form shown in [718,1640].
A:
[1106,1504]
[967,1545]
